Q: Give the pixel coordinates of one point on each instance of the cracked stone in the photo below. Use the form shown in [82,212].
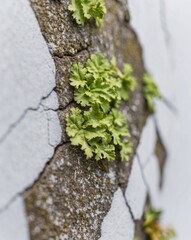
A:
[118,223]
[136,191]
[51,102]
[72,196]
[25,151]
[27,69]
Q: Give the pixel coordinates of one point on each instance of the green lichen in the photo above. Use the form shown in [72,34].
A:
[83,10]
[100,128]
[150,92]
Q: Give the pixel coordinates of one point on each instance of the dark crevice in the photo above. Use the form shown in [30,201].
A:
[129,208]
[70,54]
[160,152]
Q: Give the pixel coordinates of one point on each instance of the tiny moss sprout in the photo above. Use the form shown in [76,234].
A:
[83,10]
[97,125]
[150,92]
[152,227]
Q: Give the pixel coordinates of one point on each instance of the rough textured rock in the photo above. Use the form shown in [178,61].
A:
[72,196]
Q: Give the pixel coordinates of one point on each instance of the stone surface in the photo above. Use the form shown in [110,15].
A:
[118,223]
[29,131]
[147,141]
[13,222]
[27,70]
[25,152]
[151,175]
[72,196]
[136,190]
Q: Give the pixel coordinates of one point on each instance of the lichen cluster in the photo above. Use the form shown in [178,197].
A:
[150,91]
[152,227]
[83,10]
[98,126]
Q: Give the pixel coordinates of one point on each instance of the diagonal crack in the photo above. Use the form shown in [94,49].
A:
[12,200]
[166,32]
[19,120]
[169,105]
[14,125]
[129,208]
[142,173]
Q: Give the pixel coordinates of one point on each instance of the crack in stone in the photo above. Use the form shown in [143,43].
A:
[9,203]
[166,32]
[14,125]
[20,193]
[19,120]
[142,173]
[129,208]
[48,129]
[54,54]
[169,105]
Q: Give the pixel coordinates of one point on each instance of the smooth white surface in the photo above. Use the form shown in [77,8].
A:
[118,223]
[13,224]
[164,31]
[29,126]
[136,191]
[152,178]
[26,67]
[25,152]
[147,141]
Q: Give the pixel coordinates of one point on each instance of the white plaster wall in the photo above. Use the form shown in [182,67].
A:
[118,223]
[29,126]
[164,30]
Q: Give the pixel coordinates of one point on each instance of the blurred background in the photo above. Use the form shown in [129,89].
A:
[163,27]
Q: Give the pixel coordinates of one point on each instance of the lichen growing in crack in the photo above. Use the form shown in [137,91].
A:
[150,227]
[72,195]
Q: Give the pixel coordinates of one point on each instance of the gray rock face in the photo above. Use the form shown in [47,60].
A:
[72,196]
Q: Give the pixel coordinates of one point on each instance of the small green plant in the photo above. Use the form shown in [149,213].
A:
[150,92]
[152,227]
[83,10]
[98,126]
